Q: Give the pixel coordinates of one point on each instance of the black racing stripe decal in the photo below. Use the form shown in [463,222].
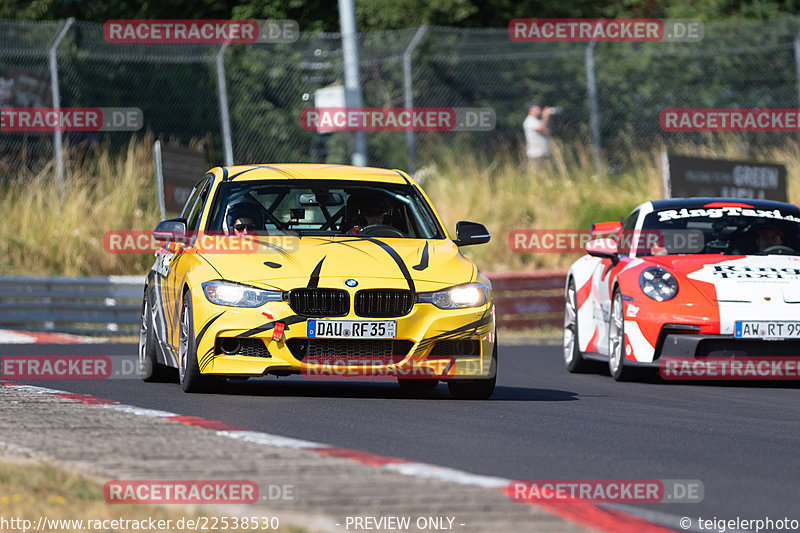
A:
[397,259]
[166,288]
[281,251]
[224,174]
[272,265]
[423,262]
[274,247]
[205,329]
[344,243]
[173,265]
[285,173]
[156,303]
[293,319]
[313,281]
[404,177]
[234,176]
[206,359]
[463,332]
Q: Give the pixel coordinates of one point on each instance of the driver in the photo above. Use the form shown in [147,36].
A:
[371,211]
[244,218]
[767,237]
[374,215]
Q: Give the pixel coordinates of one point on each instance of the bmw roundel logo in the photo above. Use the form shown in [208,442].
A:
[351,282]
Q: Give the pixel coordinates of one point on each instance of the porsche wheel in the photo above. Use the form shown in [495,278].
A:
[573,358]
[188,369]
[616,341]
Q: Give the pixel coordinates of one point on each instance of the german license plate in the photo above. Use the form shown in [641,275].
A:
[762,329]
[351,329]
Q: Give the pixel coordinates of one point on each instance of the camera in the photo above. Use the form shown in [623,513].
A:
[556,110]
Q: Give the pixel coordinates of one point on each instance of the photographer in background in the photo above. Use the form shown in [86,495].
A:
[537,131]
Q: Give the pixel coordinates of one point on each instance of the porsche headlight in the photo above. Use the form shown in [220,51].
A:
[658,284]
[236,295]
[458,297]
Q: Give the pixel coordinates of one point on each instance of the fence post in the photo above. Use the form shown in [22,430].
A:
[409,94]
[797,62]
[593,110]
[352,74]
[57,134]
[222,95]
[159,179]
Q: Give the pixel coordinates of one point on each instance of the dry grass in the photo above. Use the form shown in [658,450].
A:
[566,193]
[47,235]
[505,194]
[31,491]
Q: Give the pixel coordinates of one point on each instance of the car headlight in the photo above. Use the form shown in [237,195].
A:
[458,297]
[658,284]
[236,295]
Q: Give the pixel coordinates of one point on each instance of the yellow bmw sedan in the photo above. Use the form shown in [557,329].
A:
[325,271]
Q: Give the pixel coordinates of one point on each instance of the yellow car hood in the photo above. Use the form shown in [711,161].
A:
[290,262]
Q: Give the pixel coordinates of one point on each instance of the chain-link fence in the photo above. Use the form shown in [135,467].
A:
[177,86]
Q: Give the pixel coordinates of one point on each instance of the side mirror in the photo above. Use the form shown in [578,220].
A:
[604,248]
[468,233]
[173,229]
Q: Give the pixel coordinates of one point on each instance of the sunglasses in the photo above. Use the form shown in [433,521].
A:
[242,227]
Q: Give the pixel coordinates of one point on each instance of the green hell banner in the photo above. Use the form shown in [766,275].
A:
[687,176]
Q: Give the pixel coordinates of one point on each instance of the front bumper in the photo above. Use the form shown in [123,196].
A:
[680,345]
[427,343]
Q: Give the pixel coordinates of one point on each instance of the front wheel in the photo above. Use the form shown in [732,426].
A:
[476,389]
[188,369]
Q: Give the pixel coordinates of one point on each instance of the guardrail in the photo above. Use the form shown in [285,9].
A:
[84,306]
[525,300]
[111,305]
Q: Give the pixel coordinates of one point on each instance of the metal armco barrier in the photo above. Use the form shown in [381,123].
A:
[525,300]
[90,306]
[111,305]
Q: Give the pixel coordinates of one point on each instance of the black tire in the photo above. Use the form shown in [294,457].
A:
[189,375]
[616,341]
[476,389]
[149,368]
[573,358]
[418,384]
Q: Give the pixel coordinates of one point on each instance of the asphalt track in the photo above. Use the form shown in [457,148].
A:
[741,440]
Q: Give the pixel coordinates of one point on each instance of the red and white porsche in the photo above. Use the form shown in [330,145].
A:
[686,278]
